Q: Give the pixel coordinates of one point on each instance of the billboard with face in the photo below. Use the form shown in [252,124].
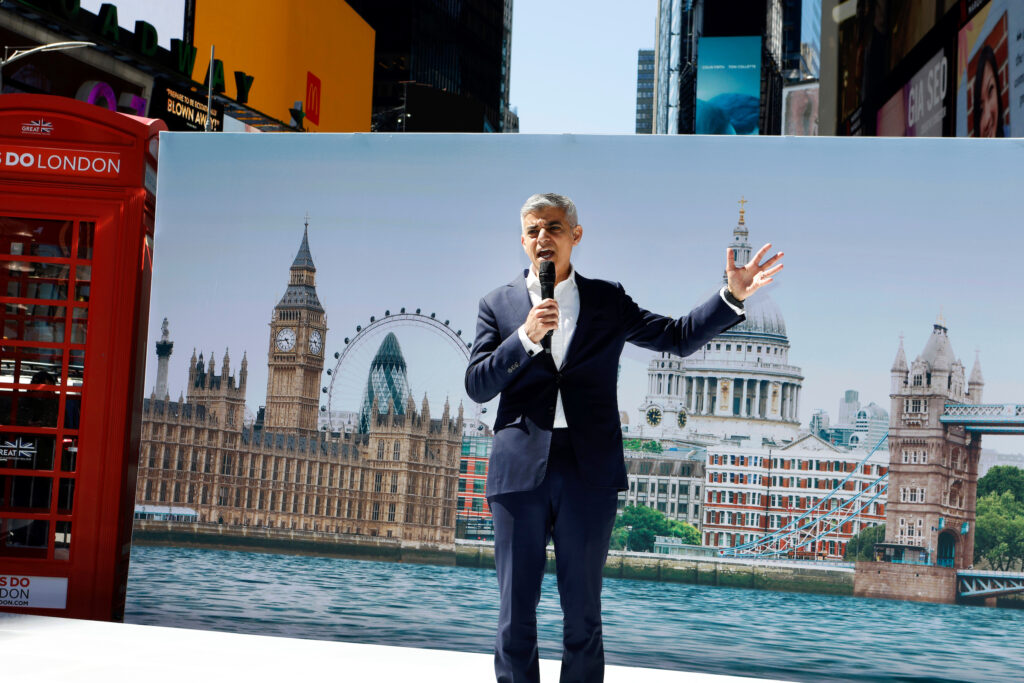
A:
[990,74]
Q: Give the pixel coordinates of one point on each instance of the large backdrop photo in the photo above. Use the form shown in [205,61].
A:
[312,467]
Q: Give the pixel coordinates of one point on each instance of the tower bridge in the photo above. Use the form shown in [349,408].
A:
[935,429]
[936,423]
[986,418]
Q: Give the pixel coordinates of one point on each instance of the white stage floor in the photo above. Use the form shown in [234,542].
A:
[44,649]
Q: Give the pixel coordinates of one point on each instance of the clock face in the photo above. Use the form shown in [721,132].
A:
[681,419]
[286,339]
[315,342]
[653,416]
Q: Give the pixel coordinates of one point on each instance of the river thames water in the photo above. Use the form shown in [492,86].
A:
[792,636]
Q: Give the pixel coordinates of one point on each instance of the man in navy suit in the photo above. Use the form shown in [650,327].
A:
[556,464]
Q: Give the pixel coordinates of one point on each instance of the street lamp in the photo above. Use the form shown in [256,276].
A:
[20,52]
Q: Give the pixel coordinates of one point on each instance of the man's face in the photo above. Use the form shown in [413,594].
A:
[547,236]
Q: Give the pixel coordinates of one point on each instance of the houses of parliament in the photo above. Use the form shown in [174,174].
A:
[394,477]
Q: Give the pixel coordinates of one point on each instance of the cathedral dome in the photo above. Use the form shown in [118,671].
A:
[764,319]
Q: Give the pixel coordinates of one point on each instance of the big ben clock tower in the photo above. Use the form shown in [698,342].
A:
[295,359]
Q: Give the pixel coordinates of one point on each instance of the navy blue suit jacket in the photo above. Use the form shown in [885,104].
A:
[608,319]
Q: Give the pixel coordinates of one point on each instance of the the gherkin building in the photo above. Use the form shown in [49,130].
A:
[386,380]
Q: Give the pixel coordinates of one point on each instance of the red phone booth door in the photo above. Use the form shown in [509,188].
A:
[74,290]
[45,278]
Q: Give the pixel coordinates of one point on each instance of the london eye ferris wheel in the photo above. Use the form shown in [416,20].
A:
[403,356]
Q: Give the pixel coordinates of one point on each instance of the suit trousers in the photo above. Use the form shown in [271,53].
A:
[579,519]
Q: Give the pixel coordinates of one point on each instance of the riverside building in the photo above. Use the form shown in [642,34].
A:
[394,476]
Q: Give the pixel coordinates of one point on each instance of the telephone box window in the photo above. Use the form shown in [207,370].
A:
[19,451]
[66,496]
[35,237]
[20,364]
[35,408]
[25,494]
[72,411]
[29,280]
[62,541]
[86,234]
[34,322]
[76,366]
[83,276]
[24,537]
[69,454]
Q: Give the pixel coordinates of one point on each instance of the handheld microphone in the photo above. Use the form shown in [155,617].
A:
[546,275]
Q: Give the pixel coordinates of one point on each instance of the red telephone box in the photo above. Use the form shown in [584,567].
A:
[77,187]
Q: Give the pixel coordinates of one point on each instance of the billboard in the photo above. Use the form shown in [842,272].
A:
[920,108]
[800,109]
[990,72]
[315,56]
[870,48]
[729,85]
[405,234]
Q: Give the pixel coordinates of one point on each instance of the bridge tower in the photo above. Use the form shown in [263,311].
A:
[933,475]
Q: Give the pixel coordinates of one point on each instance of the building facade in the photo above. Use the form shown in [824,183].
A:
[472,500]
[645,91]
[752,492]
[934,467]
[396,477]
[679,27]
[441,65]
[670,483]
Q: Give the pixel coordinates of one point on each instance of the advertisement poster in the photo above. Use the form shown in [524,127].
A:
[919,109]
[729,85]
[990,72]
[800,109]
[308,452]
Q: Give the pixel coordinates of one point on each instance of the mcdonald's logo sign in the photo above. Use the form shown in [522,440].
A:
[312,98]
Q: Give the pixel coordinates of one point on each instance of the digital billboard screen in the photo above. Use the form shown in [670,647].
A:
[729,85]
[990,72]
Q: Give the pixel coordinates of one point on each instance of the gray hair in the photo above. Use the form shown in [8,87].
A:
[550,200]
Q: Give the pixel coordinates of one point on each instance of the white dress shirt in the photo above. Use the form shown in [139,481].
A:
[568,297]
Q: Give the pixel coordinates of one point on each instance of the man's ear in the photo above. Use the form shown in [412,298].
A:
[577,234]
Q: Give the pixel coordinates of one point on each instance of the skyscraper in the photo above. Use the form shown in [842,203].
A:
[645,91]
[440,65]
[387,387]
[791,39]
[680,23]
[810,41]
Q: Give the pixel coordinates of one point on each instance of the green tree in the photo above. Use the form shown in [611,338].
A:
[640,445]
[639,524]
[861,548]
[999,530]
[1003,478]
[685,531]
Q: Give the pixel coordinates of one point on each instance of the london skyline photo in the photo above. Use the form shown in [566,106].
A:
[434,226]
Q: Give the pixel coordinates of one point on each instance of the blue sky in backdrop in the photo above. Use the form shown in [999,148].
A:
[880,236]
